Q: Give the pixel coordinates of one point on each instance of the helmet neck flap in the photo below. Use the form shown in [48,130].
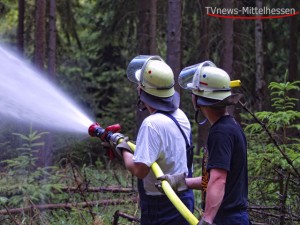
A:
[156,82]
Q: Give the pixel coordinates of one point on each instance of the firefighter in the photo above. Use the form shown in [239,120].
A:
[227,188]
[159,139]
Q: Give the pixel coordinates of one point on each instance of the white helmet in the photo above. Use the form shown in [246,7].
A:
[210,84]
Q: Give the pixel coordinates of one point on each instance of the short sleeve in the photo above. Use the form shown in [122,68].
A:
[147,145]
[220,149]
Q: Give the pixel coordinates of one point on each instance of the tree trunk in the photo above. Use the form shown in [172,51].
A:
[293,57]
[21,18]
[239,28]
[147,27]
[52,40]
[293,62]
[174,38]
[204,55]
[39,55]
[226,61]
[259,75]
[205,35]
[152,26]
[146,39]
[45,154]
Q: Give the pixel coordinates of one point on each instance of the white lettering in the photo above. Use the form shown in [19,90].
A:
[250,11]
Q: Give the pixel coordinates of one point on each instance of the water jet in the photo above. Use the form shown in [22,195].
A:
[27,95]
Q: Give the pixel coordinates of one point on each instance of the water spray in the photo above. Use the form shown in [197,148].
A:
[112,136]
[27,95]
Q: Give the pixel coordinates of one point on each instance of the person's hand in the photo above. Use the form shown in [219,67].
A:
[176,181]
[122,146]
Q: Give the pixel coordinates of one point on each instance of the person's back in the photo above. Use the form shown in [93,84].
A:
[159,140]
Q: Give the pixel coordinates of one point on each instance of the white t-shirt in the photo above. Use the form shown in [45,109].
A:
[160,140]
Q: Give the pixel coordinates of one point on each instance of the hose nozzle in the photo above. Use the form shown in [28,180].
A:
[95,130]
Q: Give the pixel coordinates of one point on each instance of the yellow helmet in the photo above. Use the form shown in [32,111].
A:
[153,75]
[156,80]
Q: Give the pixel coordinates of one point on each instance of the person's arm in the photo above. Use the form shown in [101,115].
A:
[140,170]
[194,182]
[215,193]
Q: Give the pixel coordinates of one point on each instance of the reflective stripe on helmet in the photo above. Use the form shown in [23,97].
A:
[206,80]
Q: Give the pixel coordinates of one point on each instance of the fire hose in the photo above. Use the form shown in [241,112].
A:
[111,135]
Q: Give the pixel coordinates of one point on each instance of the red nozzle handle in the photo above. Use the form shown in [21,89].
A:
[113,128]
[95,130]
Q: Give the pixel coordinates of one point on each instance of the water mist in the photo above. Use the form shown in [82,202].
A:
[27,95]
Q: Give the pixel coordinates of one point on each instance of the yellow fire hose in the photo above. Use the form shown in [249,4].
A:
[184,211]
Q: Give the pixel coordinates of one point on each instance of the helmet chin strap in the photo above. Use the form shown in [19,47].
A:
[196,119]
[140,105]
[194,100]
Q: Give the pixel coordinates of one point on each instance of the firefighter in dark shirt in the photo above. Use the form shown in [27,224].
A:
[227,188]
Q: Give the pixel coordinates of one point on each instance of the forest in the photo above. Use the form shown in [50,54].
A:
[63,68]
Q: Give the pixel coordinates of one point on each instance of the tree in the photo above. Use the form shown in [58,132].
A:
[147,14]
[21,16]
[293,57]
[204,56]
[259,55]
[52,39]
[226,61]
[40,34]
[274,163]
[146,36]
[205,34]
[174,38]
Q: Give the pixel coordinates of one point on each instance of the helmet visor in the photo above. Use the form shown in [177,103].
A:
[137,65]
[189,77]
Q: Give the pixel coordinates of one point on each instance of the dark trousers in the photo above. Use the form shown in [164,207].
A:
[234,218]
[158,210]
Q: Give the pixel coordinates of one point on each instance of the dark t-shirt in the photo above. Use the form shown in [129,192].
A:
[227,149]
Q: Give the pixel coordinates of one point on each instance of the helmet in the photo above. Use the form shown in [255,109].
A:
[210,84]
[153,75]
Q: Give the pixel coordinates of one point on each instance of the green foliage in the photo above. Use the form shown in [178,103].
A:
[96,74]
[274,162]
[96,40]
[281,100]
[24,182]
[9,14]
